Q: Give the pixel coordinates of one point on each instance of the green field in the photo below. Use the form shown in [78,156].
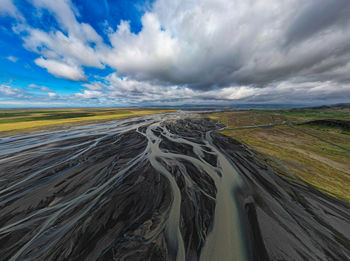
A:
[302,115]
[16,121]
[293,144]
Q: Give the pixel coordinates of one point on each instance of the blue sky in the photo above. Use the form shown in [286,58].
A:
[17,67]
[118,53]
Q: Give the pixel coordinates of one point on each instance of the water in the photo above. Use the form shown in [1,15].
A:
[157,187]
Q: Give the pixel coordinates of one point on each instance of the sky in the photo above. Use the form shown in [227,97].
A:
[77,53]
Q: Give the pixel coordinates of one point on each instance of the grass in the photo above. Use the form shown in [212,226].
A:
[247,118]
[328,129]
[16,121]
[302,115]
[293,150]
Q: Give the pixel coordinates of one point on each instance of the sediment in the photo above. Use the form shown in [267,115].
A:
[158,187]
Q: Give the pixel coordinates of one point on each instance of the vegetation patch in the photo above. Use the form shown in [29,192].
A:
[339,126]
[15,121]
[298,148]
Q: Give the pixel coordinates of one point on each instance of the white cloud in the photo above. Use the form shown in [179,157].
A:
[8,8]
[45,89]
[7,90]
[69,47]
[56,45]
[124,90]
[225,50]
[95,86]
[63,11]
[41,88]
[52,94]
[242,42]
[141,55]
[87,94]
[61,69]
[26,103]
[12,58]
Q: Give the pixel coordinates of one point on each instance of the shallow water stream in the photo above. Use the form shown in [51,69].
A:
[158,187]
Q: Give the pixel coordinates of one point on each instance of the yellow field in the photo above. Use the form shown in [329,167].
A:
[97,115]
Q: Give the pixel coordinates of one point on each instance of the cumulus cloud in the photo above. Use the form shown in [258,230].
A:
[56,45]
[146,55]
[61,69]
[227,50]
[63,52]
[131,91]
[246,42]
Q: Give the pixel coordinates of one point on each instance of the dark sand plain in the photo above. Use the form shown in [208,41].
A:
[158,187]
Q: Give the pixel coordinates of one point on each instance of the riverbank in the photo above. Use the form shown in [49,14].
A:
[158,187]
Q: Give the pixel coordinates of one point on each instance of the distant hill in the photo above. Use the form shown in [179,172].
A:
[339,106]
[335,106]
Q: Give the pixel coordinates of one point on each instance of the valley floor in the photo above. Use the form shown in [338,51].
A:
[158,187]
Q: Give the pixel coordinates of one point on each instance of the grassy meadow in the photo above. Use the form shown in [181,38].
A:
[313,144]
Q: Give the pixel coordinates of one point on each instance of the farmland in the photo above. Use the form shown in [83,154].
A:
[17,121]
